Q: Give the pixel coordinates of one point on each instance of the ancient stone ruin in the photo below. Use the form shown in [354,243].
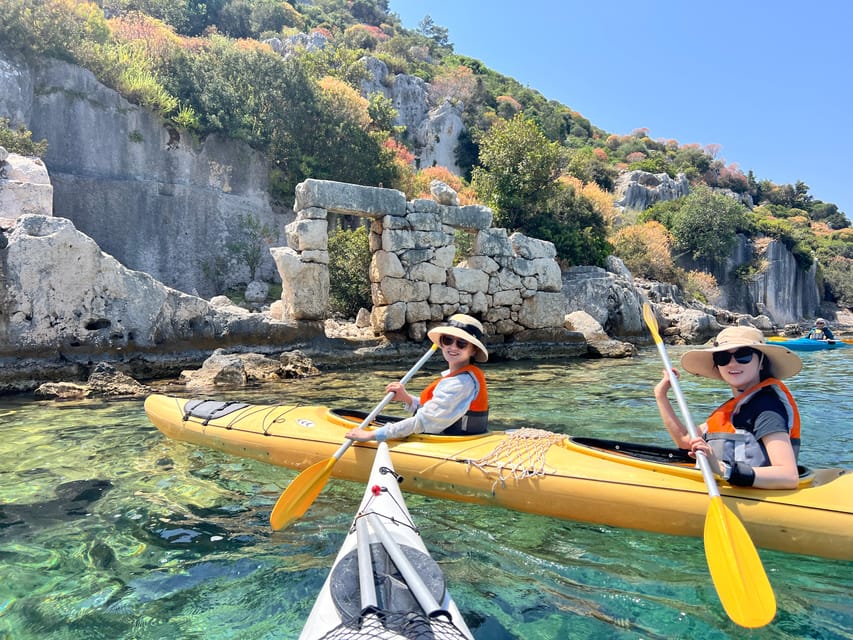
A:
[511,282]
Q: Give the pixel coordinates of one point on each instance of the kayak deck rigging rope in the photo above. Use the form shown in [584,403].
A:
[203,411]
[520,455]
[377,491]
[390,625]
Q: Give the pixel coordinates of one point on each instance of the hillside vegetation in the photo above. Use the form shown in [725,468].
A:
[544,168]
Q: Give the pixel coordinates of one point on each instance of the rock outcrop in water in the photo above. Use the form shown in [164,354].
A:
[66,305]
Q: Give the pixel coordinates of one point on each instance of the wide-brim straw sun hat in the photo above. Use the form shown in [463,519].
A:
[463,326]
[784,363]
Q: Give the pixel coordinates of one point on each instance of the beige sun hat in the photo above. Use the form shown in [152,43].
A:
[465,327]
[784,363]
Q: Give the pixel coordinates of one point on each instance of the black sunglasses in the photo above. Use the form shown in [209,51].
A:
[446,341]
[741,356]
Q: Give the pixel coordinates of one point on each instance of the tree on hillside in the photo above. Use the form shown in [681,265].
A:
[587,165]
[519,170]
[706,224]
[519,178]
[829,214]
[789,195]
[571,221]
[437,34]
[372,12]
[250,18]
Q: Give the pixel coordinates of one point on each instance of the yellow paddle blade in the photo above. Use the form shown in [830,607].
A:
[301,493]
[736,569]
[651,321]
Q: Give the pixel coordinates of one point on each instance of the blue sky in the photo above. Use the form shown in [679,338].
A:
[770,82]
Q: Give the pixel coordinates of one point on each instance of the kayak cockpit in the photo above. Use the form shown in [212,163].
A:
[353,417]
[646,453]
[651,453]
[350,418]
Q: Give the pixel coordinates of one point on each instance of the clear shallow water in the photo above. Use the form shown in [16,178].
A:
[109,530]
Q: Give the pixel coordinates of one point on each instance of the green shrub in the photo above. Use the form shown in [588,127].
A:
[706,224]
[141,87]
[20,140]
[55,28]
[838,281]
[254,240]
[656,164]
[464,243]
[572,223]
[349,268]
[187,118]
[664,212]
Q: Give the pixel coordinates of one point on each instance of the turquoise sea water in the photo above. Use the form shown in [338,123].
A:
[109,530]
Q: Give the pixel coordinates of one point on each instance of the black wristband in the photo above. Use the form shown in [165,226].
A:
[742,475]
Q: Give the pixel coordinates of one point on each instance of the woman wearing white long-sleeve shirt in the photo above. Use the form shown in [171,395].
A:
[457,402]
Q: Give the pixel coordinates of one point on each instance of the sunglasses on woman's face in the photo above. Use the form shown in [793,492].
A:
[447,341]
[741,356]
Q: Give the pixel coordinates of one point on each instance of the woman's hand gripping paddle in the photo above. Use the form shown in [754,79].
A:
[733,561]
[301,493]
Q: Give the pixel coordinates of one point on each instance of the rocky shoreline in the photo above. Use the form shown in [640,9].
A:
[76,319]
[345,345]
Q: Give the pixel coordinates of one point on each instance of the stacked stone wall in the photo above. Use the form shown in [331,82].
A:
[511,282]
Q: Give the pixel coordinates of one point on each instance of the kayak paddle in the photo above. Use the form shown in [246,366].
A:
[301,493]
[736,569]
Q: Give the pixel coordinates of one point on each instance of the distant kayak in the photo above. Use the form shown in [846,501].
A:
[805,344]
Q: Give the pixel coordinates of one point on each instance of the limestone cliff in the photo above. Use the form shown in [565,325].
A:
[434,129]
[777,287]
[150,195]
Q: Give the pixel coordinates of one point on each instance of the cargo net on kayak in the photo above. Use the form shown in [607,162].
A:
[393,625]
[520,455]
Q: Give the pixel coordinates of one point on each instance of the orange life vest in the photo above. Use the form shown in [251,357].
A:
[476,419]
[738,445]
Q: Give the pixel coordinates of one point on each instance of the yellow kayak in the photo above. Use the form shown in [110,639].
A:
[585,479]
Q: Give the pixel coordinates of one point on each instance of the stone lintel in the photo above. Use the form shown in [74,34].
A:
[349,199]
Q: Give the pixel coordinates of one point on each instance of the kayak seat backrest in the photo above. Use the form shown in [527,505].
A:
[392,592]
[207,410]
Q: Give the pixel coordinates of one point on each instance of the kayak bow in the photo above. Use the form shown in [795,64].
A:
[384,583]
